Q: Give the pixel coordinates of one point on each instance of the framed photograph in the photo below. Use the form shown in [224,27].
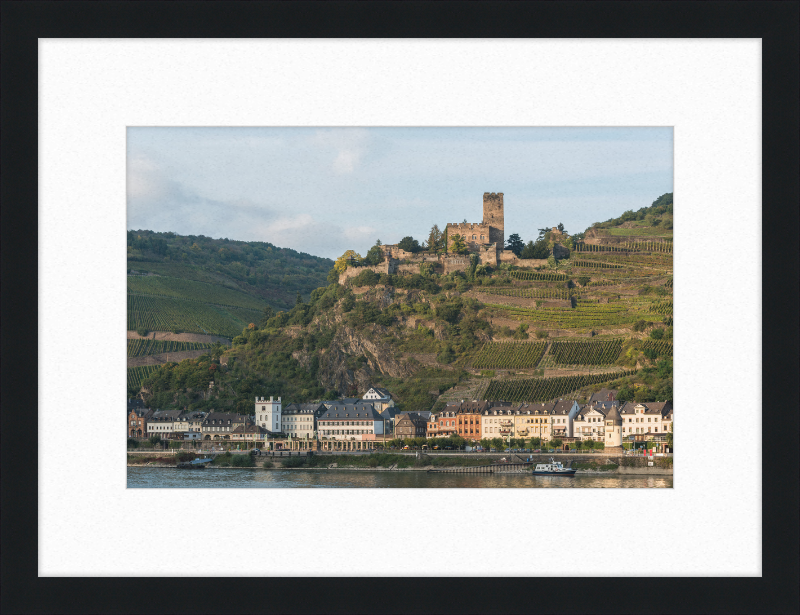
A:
[724,87]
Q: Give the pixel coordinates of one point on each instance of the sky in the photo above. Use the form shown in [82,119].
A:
[326,190]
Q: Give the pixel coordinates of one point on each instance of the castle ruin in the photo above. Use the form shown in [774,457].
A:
[479,236]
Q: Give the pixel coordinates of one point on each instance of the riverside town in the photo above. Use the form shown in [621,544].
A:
[500,347]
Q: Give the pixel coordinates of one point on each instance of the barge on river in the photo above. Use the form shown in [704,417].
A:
[194,464]
[554,468]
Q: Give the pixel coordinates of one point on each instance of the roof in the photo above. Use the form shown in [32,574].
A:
[563,406]
[414,417]
[350,411]
[613,413]
[223,418]
[191,416]
[165,415]
[602,395]
[380,390]
[303,408]
[346,401]
[650,407]
[390,413]
[253,429]
[135,402]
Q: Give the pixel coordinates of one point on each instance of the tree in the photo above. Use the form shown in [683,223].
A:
[375,255]
[265,316]
[435,239]
[458,246]
[584,280]
[625,394]
[515,244]
[299,299]
[333,276]
[540,249]
[544,233]
[657,334]
[561,228]
[669,436]
[343,262]
[409,244]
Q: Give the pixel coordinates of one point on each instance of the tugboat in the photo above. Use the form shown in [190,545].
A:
[553,468]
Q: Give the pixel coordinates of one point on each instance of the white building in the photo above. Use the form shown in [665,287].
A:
[359,422]
[379,398]
[162,423]
[300,420]
[268,414]
[589,423]
[562,418]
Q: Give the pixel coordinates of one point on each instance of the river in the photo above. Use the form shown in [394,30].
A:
[169,478]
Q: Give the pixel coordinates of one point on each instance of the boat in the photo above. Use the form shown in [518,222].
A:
[194,464]
[553,468]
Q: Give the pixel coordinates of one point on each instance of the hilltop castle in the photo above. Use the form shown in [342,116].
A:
[477,235]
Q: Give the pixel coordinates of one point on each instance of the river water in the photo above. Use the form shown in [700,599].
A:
[239,478]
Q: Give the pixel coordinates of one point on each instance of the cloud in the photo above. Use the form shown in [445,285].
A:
[346,161]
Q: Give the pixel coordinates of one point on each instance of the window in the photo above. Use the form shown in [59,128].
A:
[474,237]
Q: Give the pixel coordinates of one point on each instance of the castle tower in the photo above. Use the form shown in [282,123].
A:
[268,414]
[613,422]
[493,217]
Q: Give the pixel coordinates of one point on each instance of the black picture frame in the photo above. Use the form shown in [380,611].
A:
[776,23]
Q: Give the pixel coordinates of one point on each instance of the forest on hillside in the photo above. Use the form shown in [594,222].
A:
[261,269]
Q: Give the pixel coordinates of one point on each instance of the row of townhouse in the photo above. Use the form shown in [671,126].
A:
[337,420]
[603,419]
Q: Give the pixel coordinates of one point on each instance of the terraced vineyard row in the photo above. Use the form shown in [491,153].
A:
[662,347]
[596,264]
[145,347]
[137,374]
[511,355]
[590,352]
[161,286]
[664,308]
[535,275]
[650,246]
[530,293]
[545,389]
[590,247]
[609,315]
[164,314]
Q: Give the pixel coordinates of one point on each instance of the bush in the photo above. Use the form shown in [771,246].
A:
[132,443]
[541,334]
[267,465]
[657,334]
[293,462]
[446,356]
[142,331]
[242,461]
[154,440]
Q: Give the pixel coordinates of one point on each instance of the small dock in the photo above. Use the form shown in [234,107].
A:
[495,468]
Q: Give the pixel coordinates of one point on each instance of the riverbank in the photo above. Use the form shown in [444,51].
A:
[388,462]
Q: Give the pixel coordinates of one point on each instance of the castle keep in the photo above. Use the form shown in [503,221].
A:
[477,235]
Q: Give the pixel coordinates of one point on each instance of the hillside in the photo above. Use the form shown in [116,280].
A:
[602,317]
[197,284]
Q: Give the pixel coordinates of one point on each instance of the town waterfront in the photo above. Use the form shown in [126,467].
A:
[244,478]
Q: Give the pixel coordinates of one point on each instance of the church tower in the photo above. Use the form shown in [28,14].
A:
[493,218]
[268,414]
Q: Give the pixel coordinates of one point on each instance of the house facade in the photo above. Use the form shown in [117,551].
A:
[300,420]
[357,422]
[220,425]
[137,421]
[410,425]
[161,423]
[589,423]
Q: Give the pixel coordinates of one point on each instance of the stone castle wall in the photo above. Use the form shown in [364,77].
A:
[389,266]
[494,217]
